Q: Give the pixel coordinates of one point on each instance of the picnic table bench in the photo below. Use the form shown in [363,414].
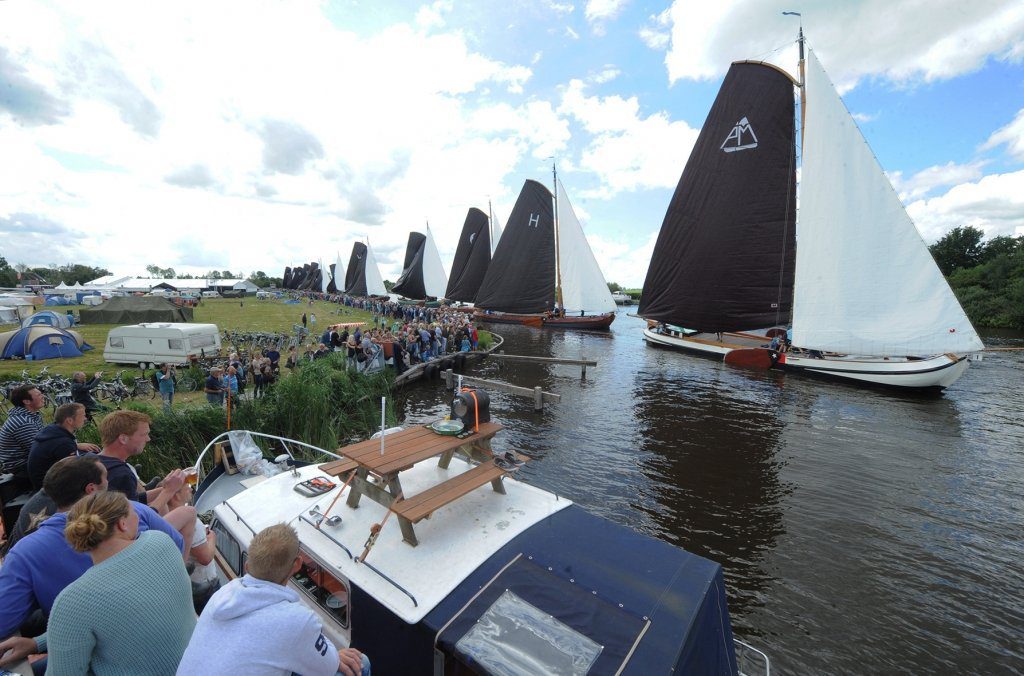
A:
[404,449]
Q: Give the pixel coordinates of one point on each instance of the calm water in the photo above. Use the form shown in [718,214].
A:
[861,531]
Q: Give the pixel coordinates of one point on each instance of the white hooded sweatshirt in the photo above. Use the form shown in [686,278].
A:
[258,628]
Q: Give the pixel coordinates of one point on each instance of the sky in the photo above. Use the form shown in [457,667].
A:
[254,135]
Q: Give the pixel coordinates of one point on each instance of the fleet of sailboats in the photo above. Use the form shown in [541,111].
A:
[846,290]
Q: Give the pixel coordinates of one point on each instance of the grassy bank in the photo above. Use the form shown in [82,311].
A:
[320,403]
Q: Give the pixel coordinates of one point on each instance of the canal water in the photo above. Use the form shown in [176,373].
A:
[860,531]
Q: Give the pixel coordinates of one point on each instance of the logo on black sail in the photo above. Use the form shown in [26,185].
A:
[742,137]
[472,236]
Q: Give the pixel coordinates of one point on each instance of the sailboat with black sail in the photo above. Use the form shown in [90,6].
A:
[363,278]
[422,276]
[848,290]
[472,258]
[543,273]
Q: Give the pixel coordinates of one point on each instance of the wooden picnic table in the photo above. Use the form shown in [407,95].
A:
[404,449]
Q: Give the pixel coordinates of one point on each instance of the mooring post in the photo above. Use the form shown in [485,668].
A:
[538,399]
[448,378]
[583,374]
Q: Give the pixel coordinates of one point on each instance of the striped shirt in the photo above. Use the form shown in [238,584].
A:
[16,437]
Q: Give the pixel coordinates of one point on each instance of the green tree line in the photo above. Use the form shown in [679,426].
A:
[987,276]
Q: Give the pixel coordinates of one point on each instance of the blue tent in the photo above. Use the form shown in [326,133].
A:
[57,300]
[47,318]
[42,342]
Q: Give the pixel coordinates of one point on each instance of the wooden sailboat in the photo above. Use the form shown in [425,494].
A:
[423,277]
[859,299]
[363,278]
[543,273]
[472,258]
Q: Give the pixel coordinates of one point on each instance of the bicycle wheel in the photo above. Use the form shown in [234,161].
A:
[186,384]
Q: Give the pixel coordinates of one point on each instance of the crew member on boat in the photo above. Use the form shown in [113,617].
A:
[256,624]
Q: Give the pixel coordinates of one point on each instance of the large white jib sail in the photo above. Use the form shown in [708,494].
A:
[865,281]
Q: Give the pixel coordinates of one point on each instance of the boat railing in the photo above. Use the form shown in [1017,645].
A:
[286,443]
[750,661]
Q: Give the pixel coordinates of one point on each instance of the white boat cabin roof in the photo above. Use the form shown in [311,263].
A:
[453,542]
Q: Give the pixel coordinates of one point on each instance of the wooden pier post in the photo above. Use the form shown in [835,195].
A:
[538,399]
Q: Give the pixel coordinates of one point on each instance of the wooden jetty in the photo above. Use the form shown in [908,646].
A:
[539,396]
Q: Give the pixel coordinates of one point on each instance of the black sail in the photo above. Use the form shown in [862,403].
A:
[286,281]
[331,286]
[472,258]
[311,276]
[410,283]
[521,276]
[355,278]
[725,256]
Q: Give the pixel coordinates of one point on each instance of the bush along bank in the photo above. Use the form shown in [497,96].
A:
[320,403]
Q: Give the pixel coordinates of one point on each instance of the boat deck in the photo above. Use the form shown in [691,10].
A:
[453,542]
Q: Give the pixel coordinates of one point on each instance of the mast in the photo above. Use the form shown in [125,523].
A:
[558,262]
[803,89]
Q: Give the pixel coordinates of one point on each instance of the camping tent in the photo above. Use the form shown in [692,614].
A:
[135,310]
[42,342]
[47,318]
[58,300]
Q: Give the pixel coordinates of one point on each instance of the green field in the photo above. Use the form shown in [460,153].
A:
[246,314]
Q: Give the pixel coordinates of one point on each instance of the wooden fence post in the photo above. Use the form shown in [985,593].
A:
[538,399]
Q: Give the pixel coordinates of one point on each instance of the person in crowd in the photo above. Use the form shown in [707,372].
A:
[167,381]
[256,624]
[275,358]
[41,506]
[465,346]
[303,320]
[351,346]
[19,431]
[204,578]
[41,564]
[124,435]
[321,351]
[92,629]
[231,384]
[81,392]
[214,388]
[56,441]
[240,371]
[312,319]
[293,358]
[256,366]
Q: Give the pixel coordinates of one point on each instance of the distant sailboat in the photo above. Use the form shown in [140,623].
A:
[866,300]
[543,262]
[338,273]
[363,277]
[472,258]
[423,275]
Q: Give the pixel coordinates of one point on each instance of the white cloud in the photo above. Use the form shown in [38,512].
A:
[854,39]
[1011,136]
[656,34]
[432,15]
[932,178]
[623,261]
[628,151]
[607,74]
[571,34]
[294,148]
[603,10]
[864,118]
[994,203]
[562,7]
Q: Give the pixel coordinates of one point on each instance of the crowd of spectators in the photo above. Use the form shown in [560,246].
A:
[96,575]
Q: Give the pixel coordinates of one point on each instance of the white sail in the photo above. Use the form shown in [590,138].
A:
[865,281]
[583,285]
[374,282]
[339,272]
[325,276]
[435,281]
[495,226]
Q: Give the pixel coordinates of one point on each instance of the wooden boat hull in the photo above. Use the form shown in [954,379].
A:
[597,322]
[536,321]
[932,372]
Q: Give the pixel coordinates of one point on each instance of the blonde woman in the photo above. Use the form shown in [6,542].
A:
[131,613]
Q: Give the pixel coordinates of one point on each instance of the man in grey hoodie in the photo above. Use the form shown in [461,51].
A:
[256,625]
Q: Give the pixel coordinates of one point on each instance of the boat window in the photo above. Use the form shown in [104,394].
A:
[329,592]
[174,343]
[201,340]
[514,636]
[116,342]
[228,548]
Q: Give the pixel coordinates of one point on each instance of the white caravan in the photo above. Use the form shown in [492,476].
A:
[154,343]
